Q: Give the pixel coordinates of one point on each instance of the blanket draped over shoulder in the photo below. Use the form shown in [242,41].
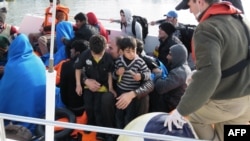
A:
[23,85]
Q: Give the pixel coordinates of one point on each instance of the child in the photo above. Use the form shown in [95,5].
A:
[94,71]
[154,64]
[130,71]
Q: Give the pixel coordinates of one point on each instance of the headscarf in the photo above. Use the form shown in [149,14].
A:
[63,29]
[23,84]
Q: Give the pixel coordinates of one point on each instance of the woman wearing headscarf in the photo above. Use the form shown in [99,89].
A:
[23,85]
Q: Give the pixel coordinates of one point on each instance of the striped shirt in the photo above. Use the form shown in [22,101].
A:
[137,65]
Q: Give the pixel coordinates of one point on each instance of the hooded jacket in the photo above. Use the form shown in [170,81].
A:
[92,20]
[127,27]
[174,85]
[220,42]
[64,29]
[23,84]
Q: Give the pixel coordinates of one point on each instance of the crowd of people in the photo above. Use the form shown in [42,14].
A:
[114,81]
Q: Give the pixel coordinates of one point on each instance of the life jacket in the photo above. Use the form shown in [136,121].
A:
[48,16]
[58,69]
[223,8]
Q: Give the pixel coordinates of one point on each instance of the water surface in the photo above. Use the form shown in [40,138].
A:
[105,9]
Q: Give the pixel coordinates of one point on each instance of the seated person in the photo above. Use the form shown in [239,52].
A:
[154,64]
[92,20]
[71,100]
[130,71]
[40,41]
[64,30]
[174,85]
[6,29]
[27,74]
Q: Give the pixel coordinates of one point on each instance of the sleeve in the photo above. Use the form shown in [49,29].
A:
[160,21]
[114,75]
[208,74]
[81,59]
[144,89]
[172,81]
[145,71]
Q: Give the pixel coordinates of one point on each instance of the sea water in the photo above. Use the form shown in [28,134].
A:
[105,9]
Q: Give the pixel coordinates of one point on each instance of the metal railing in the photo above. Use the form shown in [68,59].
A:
[86,127]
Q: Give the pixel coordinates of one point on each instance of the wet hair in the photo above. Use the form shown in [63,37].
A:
[140,46]
[127,42]
[80,45]
[81,17]
[97,43]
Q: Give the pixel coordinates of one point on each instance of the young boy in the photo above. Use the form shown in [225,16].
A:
[94,72]
[69,97]
[130,72]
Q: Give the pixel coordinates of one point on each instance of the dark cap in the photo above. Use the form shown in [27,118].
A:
[182,5]
[167,27]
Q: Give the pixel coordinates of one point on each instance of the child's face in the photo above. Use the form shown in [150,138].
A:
[129,53]
[78,23]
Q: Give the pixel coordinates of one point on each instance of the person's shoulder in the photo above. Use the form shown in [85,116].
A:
[139,59]
[119,59]
[108,56]
[91,28]
[85,54]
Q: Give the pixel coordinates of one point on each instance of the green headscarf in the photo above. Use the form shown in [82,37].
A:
[4,42]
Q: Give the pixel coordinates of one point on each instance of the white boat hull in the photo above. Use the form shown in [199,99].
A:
[32,23]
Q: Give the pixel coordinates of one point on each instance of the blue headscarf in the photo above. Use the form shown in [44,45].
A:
[63,29]
[23,85]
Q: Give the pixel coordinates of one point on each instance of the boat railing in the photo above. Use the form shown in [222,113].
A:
[85,127]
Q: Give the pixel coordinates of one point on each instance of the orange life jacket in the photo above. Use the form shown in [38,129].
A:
[48,16]
[58,69]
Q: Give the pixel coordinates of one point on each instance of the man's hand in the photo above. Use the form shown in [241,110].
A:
[92,84]
[125,99]
[175,118]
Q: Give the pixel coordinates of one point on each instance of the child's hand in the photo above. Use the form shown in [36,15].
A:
[120,71]
[136,76]
[113,92]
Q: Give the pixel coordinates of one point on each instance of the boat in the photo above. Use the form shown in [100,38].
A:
[31,24]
